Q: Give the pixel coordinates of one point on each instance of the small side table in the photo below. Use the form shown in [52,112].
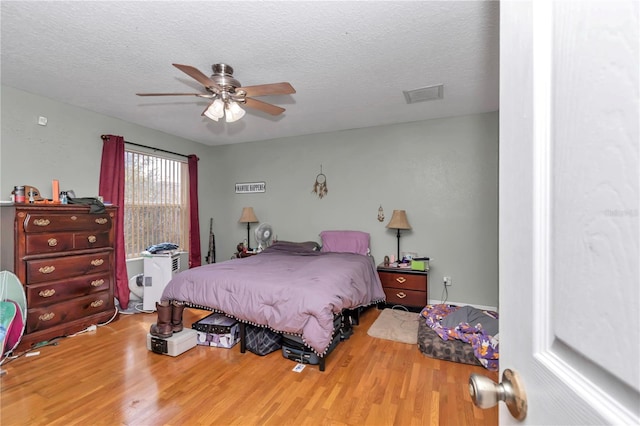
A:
[403,286]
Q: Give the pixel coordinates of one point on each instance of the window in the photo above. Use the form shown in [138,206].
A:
[156,202]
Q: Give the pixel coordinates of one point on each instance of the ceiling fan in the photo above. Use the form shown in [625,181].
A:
[226,93]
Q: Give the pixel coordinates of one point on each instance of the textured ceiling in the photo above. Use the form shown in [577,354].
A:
[348,61]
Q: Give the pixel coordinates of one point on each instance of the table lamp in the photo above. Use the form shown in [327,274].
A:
[399,221]
[248,217]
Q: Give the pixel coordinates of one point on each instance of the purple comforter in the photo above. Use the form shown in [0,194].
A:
[292,291]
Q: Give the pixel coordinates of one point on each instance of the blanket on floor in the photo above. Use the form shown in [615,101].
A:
[470,325]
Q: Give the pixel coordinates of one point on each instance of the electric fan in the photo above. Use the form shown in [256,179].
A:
[263,236]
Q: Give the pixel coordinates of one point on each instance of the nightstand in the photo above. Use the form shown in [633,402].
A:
[404,287]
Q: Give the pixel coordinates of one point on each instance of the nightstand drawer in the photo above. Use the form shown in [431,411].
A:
[398,296]
[404,281]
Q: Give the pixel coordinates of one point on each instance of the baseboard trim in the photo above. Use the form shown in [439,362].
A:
[451,302]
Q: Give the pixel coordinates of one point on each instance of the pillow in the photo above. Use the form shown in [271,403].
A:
[345,242]
[471,316]
[294,247]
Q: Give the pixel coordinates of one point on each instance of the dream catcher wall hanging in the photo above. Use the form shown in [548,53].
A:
[320,185]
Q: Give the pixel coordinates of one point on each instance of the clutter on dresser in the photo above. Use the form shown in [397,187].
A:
[28,194]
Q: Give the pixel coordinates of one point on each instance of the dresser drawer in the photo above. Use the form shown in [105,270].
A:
[54,222]
[49,316]
[87,240]
[58,291]
[57,268]
[48,243]
[404,281]
[398,296]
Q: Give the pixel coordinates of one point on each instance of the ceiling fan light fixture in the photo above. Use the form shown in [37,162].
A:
[233,112]
[226,93]
[215,110]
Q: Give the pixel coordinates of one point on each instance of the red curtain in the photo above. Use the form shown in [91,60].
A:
[195,256]
[111,187]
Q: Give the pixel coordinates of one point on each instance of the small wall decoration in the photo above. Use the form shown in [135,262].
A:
[320,185]
[250,187]
[380,214]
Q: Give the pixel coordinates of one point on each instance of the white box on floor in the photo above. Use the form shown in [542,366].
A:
[175,345]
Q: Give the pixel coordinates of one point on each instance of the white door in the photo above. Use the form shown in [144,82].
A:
[569,203]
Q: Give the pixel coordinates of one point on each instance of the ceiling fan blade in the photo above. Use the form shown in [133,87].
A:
[263,106]
[269,89]
[197,75]
[170,94]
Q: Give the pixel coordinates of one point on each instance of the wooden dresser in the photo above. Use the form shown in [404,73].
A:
[64,257]
[404,286]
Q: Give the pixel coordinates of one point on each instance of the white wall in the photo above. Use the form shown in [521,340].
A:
[442,172]
[69,147]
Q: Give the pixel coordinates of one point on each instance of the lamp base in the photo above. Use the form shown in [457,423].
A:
[248,236]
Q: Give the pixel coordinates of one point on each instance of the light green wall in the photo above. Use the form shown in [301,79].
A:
[443,172]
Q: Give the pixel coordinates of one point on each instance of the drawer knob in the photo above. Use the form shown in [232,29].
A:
[97,283]
[401,295]
[47,269]
[47,293]
[47,317]
[97,262]
[101,220]
[41,222]
[52,242]
[92,238]
[74,217]
[97,303]
[401,280]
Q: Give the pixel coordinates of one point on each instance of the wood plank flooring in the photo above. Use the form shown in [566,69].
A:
[108,377]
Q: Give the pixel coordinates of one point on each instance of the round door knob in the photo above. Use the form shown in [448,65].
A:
[486,393]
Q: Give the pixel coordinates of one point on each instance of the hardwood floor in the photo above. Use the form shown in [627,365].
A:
[108,377]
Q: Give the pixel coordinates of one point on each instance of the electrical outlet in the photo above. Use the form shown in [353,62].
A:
[447,281]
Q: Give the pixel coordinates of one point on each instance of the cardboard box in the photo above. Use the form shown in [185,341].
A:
[216,340]
[215,323]
[217,330]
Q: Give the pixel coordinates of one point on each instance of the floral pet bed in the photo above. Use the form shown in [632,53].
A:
[460,333]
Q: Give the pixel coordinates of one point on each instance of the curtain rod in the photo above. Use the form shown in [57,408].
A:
[149,147]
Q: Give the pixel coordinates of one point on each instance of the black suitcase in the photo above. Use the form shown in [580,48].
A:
[293,346]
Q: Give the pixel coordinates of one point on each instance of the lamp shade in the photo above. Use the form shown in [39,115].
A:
[215,110]
[248,216]
[399,220]
[233,112]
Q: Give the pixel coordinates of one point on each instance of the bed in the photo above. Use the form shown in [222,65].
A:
[462,334]
[291,288]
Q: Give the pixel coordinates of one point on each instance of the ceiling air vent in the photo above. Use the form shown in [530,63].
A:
[429,93]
